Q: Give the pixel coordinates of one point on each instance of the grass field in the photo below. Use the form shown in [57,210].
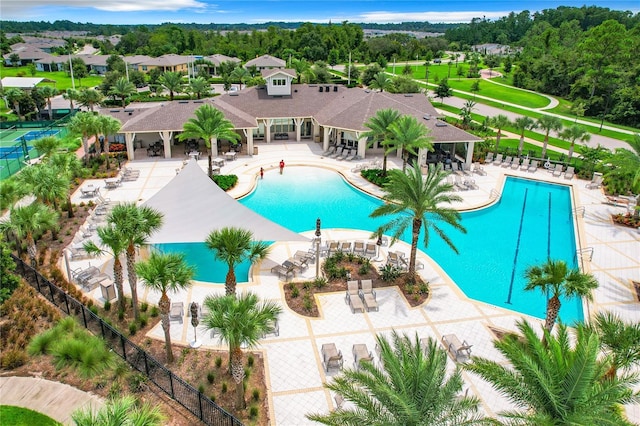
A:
[18,416]
[62,79]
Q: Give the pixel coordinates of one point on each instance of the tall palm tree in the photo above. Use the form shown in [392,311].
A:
[46,183]
[122,88]
[84,124]
[172,81]
[72,95]
[28,222]
[380,132]
[89,98]
[418,202]
[241,75]
[499,121]
[548,123]
[108,125]
[13,96]
[523,124]
[574,134]
[123,410]
[301,66]
[210,125]
[381,81]
[136,224]
[10,192]
[114,244]
[409,136]
[409,387]
[240,322]
[554,278]
[619,339]
[48,92]
[199,86]
[233,246]
[557,383]
[166,273]
[66,163]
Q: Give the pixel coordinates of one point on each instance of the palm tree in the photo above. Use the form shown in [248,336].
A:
[66,163]
[240,322]
[47,145]
[234,246]
[210,125]
[172,81]
[499,121]
[301,66]
[46,183]
[409,136]
[122,88]
[380,81]
[573,134]
[120,411]
[10,192]
[72,95]
[554,278]
[136,224]
[199,86]
[13,96]
[418,202]
[241,75]
[619,339]
[48,92]
[380,132]
[166,273]
[523,124]
[410,387]
[107,125]
[558,383]
[89,98]
[548,123]
[27,222]
[84,124]
[629,159]
[115,245]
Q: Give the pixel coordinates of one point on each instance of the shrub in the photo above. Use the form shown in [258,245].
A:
[137,382]
[143,320]
[144,306]
[120,314]
[94,309]
[115,391]
[423,288]
[256,394]
[42,343]
[211,377]
[133,328]
[295,291]
[224,387]
[250,360]
[107,306]
[155,311]
[390,272]
[218,362]
[13,358]
[320,282]
[201,388]
[375,176]
[225,182]
[253,412]
[307,302]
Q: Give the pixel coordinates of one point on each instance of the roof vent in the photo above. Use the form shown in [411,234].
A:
[114,110]
[426,117]
[183,102]
[408,95]
[320,89]
[199,101]
[441,123]
[367,91]
[326,88]
[335,88]
[295,90]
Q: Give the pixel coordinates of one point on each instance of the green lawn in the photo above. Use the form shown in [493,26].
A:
[502,93]
[63,81]
[18,416]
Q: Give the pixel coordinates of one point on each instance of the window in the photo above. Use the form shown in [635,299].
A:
[282,125]
[278,82]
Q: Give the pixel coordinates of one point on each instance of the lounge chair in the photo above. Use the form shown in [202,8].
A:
[596,181]
[338,152]
[368,295]
[525,164]
[358,248]
[568,174]
[332,247]
[93,282]
[81,275]
[351,156]
[498,160]
[470,183]
[460,184]
[616,201]
[345,153]
[557,171]
[466,169]
[295,264]
[331,150]
[456,348]
[273,328]
[533,167]
[397,259]
[361,354]
[176,312]
[478,169]
[283,272]
[370,250]
[345,247]
[78,253]
[339,401]
[352,298]
[489,158]
[507,161]
[331,357]
[305,256]
[515,164]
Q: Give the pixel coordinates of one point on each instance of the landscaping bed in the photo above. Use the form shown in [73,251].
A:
[627,220]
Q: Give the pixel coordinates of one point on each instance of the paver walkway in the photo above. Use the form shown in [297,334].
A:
[56,400]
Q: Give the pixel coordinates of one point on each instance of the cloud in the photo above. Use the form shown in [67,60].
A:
[12,9]
[433,17]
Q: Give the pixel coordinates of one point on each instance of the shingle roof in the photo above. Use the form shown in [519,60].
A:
[26,51]
[218,58]
[268,73]
[265,61]
[166,60]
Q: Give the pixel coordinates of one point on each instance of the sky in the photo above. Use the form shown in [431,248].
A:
[244,11]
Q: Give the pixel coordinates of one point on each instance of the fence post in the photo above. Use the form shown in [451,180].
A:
[50,291]
[66,302]
[200,404]
[124,348]
[146,365]
[171,384]
[84,317]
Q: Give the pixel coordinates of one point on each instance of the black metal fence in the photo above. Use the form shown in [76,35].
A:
[179,390]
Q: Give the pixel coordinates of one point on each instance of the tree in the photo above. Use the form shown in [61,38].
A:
[107,125]
[241,75]
[120,411]
[409,136]
[239,322]
[13,96]
[548,123]
[79,69]
[89,98]
[72,95]
[210,125]
[66,163]
[233,246]
[572,134]
[84,124]
[443,90]
[427,64]
[135,223]
[114,244]
[418,202]
[619,339]
[48,92]
[172,81]
[8,280]
[166,273]
[28,222]
[409,387]
[380,81]
[628,160]
[555,279]
[475,87]
[199,86]
[523,124]
[466,111]
[499,121]
[123,88]
[47,145]
[46,183]
[558,383]
[301,66]
[380,132]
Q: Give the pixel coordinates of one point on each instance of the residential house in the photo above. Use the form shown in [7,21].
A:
[265,62]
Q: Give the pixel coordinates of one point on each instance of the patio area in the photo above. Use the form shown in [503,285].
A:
[293,360]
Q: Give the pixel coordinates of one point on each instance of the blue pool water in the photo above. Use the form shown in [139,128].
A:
[501,240]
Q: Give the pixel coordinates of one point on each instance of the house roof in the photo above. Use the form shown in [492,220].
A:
[93,59]
[273,71]
[266,61]
[218,58]
[23,82]
[193,206]
[26,51]
[169,60]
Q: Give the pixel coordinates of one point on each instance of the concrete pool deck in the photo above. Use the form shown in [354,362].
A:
[293,362]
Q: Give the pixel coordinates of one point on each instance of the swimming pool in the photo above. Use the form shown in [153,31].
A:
[531,221]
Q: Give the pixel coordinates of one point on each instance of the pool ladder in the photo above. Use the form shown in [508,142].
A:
[580,210]
[585,254]
[494,194]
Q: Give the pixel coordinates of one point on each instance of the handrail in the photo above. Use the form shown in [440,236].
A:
[585,252]
[579,210]
[494,193]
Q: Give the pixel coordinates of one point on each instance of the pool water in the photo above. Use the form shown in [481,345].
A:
[531,222]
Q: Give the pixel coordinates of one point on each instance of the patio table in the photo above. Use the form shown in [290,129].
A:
[231,155]
[89,190]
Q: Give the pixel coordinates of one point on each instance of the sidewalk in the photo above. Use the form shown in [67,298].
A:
[54,399]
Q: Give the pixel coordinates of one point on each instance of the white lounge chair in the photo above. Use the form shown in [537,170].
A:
[368,295]
[361,354]
[515,164]
[557,171]
[525,164]
[456,348]
[331,357]
[352,298]
[568,174]
[176,312]
[507,161]
[489,158]
[498,160]
[596,181]
[533,167]
[478,169]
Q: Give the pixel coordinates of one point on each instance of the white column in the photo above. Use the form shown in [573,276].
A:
[166,139]
[470,148]
[248,133]
[214,147]
[298,122]
[267,130]
[325,138]
[129,138]
[315,130]
[362,146]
